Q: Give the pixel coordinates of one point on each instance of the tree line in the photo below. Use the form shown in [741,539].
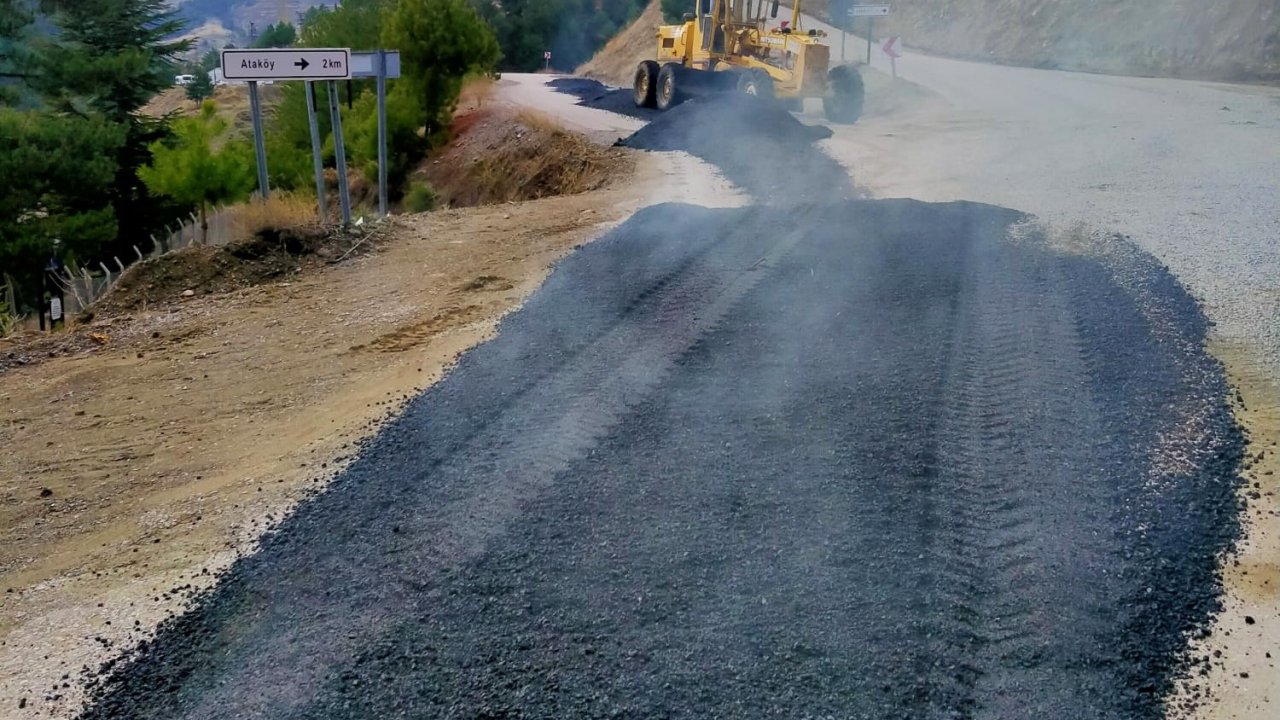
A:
[85,175]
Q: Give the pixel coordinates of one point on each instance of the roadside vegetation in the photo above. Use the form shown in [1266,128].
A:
[85,174]
[89,169]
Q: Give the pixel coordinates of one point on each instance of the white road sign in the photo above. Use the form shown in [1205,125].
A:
[287,64]
[869,10]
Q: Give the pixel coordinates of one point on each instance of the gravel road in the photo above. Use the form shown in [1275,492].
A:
[1189,170]
[861,459]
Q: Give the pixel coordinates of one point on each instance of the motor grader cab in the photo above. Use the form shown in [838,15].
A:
[741,45]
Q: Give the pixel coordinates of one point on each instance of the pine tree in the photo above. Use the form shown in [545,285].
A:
[200,86]
[110,58]
[52,171]
[193,172]
[440,42]
[15,21]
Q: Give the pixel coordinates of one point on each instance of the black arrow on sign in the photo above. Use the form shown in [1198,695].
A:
[302,64]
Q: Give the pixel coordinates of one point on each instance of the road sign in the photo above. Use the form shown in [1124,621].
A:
[365,64]
[287,64]
[546,55]
[869,10]
[892,47]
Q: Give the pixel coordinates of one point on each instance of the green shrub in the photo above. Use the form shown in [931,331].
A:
[420,198]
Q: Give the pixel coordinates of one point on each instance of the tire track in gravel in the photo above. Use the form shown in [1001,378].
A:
[1015,449]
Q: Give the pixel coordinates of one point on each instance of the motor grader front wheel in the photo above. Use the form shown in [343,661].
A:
[757,83]
[845,96]
[646,84]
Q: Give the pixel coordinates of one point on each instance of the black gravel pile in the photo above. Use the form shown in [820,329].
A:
[760,146]
[593,93]
[866,459]
[756,144]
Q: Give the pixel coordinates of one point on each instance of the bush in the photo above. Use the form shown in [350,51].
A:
[420,198]
[7,320]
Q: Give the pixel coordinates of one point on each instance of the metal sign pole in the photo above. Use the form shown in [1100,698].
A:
[382,133]
[316,161]
[344,197]
[871,23]
[259,144]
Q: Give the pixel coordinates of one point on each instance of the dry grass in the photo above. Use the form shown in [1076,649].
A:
[476,93]
[280,211]
[503,155]
[232,102]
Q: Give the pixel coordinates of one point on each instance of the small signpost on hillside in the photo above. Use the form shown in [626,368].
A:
[311,65]
[546,56]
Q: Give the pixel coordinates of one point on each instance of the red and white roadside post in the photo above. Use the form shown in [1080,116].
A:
[893,48]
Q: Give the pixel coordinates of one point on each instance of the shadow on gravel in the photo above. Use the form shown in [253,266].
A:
[596,94]
[859,459]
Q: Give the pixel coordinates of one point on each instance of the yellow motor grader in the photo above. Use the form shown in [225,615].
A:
[740,45]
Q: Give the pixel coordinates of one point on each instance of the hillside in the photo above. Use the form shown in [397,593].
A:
[1225,40]
[237,14]
[616,61]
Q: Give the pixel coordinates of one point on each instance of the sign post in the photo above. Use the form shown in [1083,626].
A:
[317,162]
[272,64]
[870,12]
[546,56]
[311,65]
[340,154]
[840,10]
[259,143]
[382,133]
[383,65]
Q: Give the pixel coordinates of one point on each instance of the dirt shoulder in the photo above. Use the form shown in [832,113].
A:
[1241,680]
[135,472]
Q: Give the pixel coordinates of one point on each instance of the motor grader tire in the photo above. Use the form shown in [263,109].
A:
[844,100]
[670,91]
[646,84]
[757,83]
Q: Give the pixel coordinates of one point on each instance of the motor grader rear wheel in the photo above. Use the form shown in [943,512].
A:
[843,103]
[646,84]
[670,92]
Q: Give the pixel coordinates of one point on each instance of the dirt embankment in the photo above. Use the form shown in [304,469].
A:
[1229,40]
[502,154]
[615,63]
